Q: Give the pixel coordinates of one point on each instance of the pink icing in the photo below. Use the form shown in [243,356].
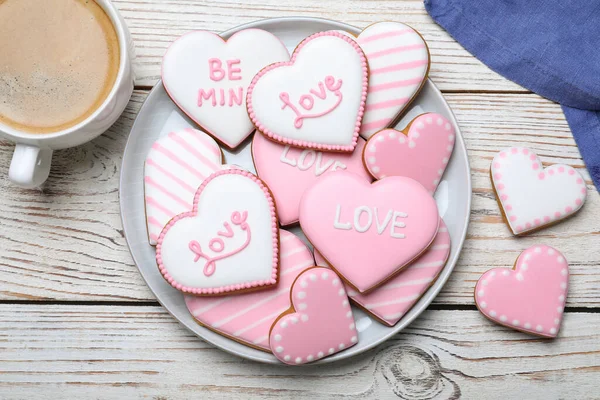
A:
[531,298]
[248,317]
[289,171]
[528,196]
[322,323]
[222,289]
[422,154]
[368,232]
[260,125]
[392,300]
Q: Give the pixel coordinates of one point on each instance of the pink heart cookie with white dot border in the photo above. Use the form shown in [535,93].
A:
[532,197]
[421,151]
[531,297]
[320,322]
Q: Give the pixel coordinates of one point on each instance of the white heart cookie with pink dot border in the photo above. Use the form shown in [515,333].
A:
[529,298]
[532,196]
[317,99]
[421,151]
[320,322]
[208,78]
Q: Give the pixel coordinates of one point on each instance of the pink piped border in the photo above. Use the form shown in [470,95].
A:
[517,225]
[307,144]
[190,214]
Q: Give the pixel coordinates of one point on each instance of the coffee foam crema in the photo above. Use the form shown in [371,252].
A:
[59,61]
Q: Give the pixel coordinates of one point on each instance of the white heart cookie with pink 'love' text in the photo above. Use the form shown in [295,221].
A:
[247,317]
[208,77]
[175,167]
[420,152]
[531,196]
[398,66]
[529,298]
[228,242]
[289,171]
[368,232]
[320,322]
[316,100]
[392,300]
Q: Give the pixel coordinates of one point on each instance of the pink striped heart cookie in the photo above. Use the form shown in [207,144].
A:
[398,66]
[392,300]
[421,151]
[318,324]
[530,297]
[532,197]
[229,242]
[247,317]
[368,232]
[175,167]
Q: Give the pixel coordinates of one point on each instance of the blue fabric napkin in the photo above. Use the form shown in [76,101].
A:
[551,47]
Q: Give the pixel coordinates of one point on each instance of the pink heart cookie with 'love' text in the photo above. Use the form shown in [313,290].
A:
[175,167]
[247,317]
[420,152]
[320,322]
[229,241]
[368,232]
[529,298]
[208,77]
[316,100]
[289,171]
[532,197]
[390,301]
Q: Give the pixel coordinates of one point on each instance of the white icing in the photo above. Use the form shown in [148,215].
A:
[319,58]
[309,158]
[222,196]
[358,211]
[380,225]
[398,224]
[336,222]
[186,70]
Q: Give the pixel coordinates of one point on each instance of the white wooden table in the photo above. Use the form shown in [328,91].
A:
[78,322]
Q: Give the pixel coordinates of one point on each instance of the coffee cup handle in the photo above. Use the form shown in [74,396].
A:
[30,165]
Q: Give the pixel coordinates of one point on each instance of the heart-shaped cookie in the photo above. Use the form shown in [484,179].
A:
[532,197]
[247,317]
[208,77]
[421,151]
[228,242]
[529,298]
[175,167]
[390,301]
[368,232]
[319,323]
[316,100]
[398,66]
[289,171]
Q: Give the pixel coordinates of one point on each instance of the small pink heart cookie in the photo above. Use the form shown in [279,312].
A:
[175,167]
[320,322]
[208,77]
[421,151]
[289,171]
[392,300]
[532,197]
[529,298]
[247,317]
[229,242]
[368,232]
[398,66]
[316,100]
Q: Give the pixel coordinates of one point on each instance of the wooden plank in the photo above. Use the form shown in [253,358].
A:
[142,352]
[65,242]
[154,25]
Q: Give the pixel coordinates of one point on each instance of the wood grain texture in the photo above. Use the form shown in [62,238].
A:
[110,352]
[155,24]
[65,242]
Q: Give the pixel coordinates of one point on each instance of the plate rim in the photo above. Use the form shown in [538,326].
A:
[437,286]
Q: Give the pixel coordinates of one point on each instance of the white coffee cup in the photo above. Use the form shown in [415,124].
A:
[32,157]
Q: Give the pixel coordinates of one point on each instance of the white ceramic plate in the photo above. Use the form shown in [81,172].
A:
[159,115]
